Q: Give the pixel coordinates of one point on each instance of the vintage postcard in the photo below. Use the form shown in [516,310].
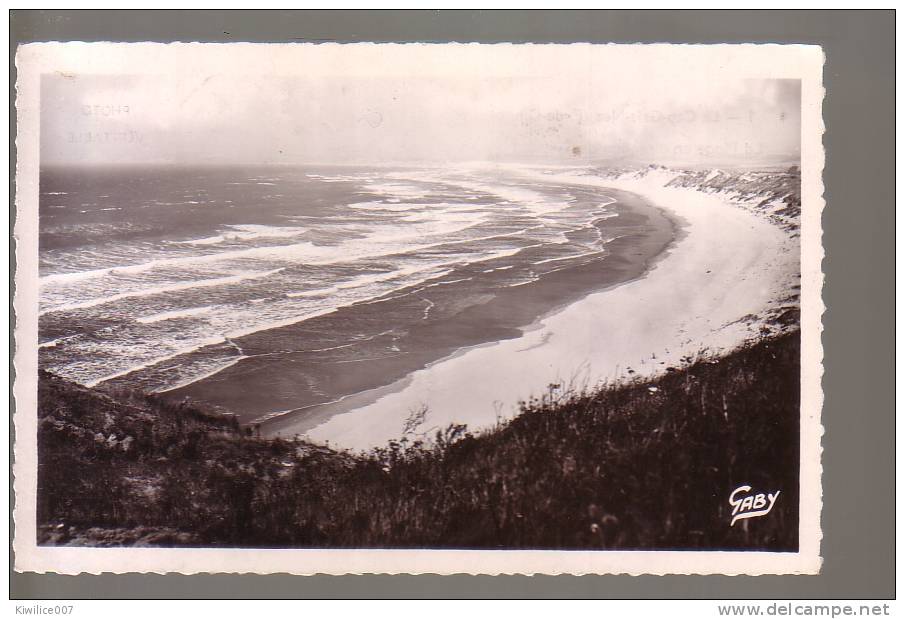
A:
[418,308]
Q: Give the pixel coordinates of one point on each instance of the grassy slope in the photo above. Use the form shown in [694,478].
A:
[625,467]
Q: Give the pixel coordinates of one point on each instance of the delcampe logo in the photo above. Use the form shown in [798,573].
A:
[746,504]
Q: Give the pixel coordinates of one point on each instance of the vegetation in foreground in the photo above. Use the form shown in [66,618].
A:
[647,465]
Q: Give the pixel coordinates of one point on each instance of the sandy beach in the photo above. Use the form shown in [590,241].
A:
[728,267]
[479,309]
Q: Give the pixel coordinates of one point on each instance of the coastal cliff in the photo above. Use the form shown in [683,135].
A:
[772,193]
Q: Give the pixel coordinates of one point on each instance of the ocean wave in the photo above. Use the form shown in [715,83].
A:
[227,325]
[397,190]
[175,314]
[393,243]
[360,282]
[167,289]
[56,341]
[570,257]
[337,178]
[154,361]
[504,268]
[248,232]
[447,282]
[383,206]
[206,372]
[377,241]
[511,193]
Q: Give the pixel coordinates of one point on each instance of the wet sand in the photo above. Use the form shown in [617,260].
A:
[502,314]
[726,264]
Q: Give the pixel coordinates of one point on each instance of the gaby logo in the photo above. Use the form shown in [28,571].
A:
[747,505]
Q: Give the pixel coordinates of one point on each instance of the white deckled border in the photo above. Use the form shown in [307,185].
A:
[811,430]
[804,62]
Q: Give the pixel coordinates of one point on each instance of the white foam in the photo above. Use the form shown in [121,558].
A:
[152,362]
[216,369]
[429,305]
[233,323]
[516,194]
[429,226]
[247,232]
[572,257]
[55,342]
[396,190]
[382,206]
[523,283]
[317,292]
[381,241]
[447,282]
[175,314]
[361,281]
[147,292]
[338,178]
[276,324]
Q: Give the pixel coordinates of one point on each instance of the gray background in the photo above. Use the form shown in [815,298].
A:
[859,235]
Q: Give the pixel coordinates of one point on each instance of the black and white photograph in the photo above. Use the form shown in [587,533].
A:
[343,307]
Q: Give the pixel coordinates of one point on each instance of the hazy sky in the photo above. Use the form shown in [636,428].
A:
[347,104]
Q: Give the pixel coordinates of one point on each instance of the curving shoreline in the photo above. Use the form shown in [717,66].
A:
[728,269]
[507,316]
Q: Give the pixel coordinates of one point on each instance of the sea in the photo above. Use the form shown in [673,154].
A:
[268,291]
